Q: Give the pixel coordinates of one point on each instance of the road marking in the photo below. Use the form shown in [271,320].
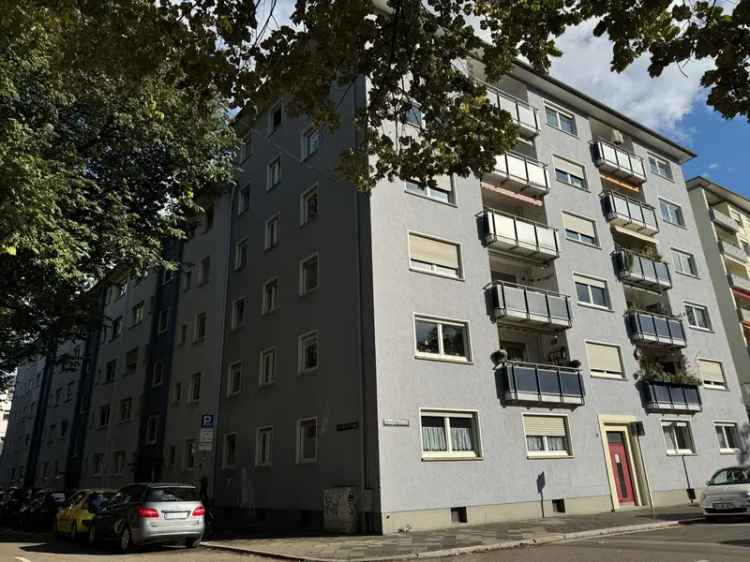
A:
[22,559]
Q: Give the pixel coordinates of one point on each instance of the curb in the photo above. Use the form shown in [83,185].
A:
[457,551]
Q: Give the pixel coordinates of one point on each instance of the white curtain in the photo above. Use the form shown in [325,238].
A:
[461,435]
[433,434]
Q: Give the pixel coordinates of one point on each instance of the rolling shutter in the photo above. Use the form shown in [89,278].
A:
[551,426]
[579,225]
[711,371]
[569,167]
[433,251]
[604,357]
[589,281]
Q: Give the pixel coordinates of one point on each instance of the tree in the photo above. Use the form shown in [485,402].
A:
[112,110]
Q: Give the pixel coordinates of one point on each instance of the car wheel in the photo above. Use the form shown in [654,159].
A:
[91,537]
[192,543]
[74,532]
[126,540]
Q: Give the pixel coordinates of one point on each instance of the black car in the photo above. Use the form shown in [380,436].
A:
[13,503]
[40,513]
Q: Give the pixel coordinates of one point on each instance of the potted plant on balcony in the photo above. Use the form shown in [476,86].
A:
[653,370]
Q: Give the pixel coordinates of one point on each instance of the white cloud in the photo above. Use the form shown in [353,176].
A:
[714,166]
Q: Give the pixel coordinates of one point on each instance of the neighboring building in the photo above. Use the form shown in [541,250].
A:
[723,221]
[6,399]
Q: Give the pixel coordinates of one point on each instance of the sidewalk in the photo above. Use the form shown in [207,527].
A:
[456,540]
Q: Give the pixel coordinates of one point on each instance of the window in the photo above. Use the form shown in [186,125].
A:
[271,233]
[678,437]
[308,352]
[579,229]
[263,443]
[570,173]
[560,120]
[308,275]
[443,190]
[712,373]
[310,142]
[163,322]
[188,280]
[592,292]
[449,435]
[660,167]
[195,387]
[434,256]
[684,262]
[157,378]
[243,199]
[126,408]
[238,313]
[118,462]
[240,254]
[177,395]
[110,370]
[307,440]
[547,436]
[441,339]
[246,148]
[727,435]
[98,464]
[267,366]
[204,273]
[122,289]
[189,454]
[166,276]
[116,327]
[103,415]
[208,218]
[183,334]
[136,314]
[172,455]
[270,295]
[200,327]
[229,459]
[275,118]
[152,429]
[671,213]
[604,360]
[63,428]
[309,205]
[697,316]
[414,115]
[131,362]
[273,173]
[234,379]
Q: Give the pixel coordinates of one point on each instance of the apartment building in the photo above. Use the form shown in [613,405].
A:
[6,399]
[723,222]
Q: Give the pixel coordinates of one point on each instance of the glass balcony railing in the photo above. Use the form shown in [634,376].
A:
[520,173]
[732,251]
[619,162]
[739,282]
[640,270]
[537,383]
[521,112]
[518,304]
[629,213]
[518,236]
[669,397]
[658,329]
[724,220]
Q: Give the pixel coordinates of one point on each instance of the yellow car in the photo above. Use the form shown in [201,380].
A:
[76,514]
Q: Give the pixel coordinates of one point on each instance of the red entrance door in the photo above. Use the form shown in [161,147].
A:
[618,456]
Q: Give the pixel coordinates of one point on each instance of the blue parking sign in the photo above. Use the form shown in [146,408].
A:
[207,421]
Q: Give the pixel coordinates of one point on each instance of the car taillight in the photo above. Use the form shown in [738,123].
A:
[147,512]
[198,511]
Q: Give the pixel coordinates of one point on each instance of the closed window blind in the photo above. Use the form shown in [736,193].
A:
[577,224]
[604,358]
[711,371]
[551,426]
[590,282]
[433,251]
[569,167]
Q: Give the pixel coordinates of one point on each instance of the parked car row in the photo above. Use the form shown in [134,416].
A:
[30,509]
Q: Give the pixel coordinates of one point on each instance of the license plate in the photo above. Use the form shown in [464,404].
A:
[723,506]
[176,515]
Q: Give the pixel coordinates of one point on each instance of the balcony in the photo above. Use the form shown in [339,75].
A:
[669,397]
[521,112]
[540,384]
[744,315]
[528,306]
[724,221]
[729,250]
[642,271]
[629,213]
[521,174]
[656,329]
[739,282]
[518,236]
[618,162]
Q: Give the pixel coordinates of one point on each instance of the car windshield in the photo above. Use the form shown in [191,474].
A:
[738,475]
[58,497]
[173,494]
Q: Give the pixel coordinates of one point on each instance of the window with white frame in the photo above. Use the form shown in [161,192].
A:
[189,460]
[449,435]
[195,387]
[678,438]
[561,120]
[177,394]
[243,199]
[183,334]
[310,142]
[204,273]
[104,415]
[309,205]
[579,229]
[234,379]
[246,149]
[441,339]
[671,213]
[308,274]
[240,254]
[307,440]
[434,256]
[126,409]
[712,373]
[727,434]
[273,173]
[263,446]
[660,167]
[271,239]
[200,327]
[697,316]
[110,370]
[605,360]
[137,313]
[570,173]
[684,262]
[267,366]
[275,118]
[230,450]
[152,429]
[442,191]
[591,292]
[163,321]
[270,295]
[308,352]
[547,436]
[157,377]
[238,313]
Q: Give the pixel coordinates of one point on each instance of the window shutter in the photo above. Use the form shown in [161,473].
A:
[590,281]
[569,167]
[711,371]
[604,357]
[551,426]
[577,224]
[433,251]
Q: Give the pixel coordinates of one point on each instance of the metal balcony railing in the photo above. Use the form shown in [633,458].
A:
[518,304]
[641,270]
[522,113]
[629,213]
[739,282]
[518,236]
[724,220]
[732,251]
[541,384]
[619,162]
[520,173]
[664,396]
[652,328]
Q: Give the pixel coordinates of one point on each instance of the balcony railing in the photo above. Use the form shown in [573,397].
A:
[618,162]
[629,213]
[724,220]
[518,304]
[739,282]
[640,270]
[519,236]
[522,113]
[669,397]
[537,383]
[733,251]
[744,314]
[520,173]
[652,328]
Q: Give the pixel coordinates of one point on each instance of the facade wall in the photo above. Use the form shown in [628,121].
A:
[6,399]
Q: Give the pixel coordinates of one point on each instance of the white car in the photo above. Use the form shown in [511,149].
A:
[727,493]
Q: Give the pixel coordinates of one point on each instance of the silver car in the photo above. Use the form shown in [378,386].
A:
[727,493]
[150,513]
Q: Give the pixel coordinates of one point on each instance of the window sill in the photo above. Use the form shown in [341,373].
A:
[712,387]
[428,198]
[593,246]
[269,248]
[585,188]
[594,307]
[234,394]
[531,456]
[682,226]
[575,136]
[449,458]
[728,451]
[678,454]
[307,461]
[699,329]
[606,376]
[266,384]
[268,312]
[687,274]
[443,359]
[308,292]
[303,372]
[440,275]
